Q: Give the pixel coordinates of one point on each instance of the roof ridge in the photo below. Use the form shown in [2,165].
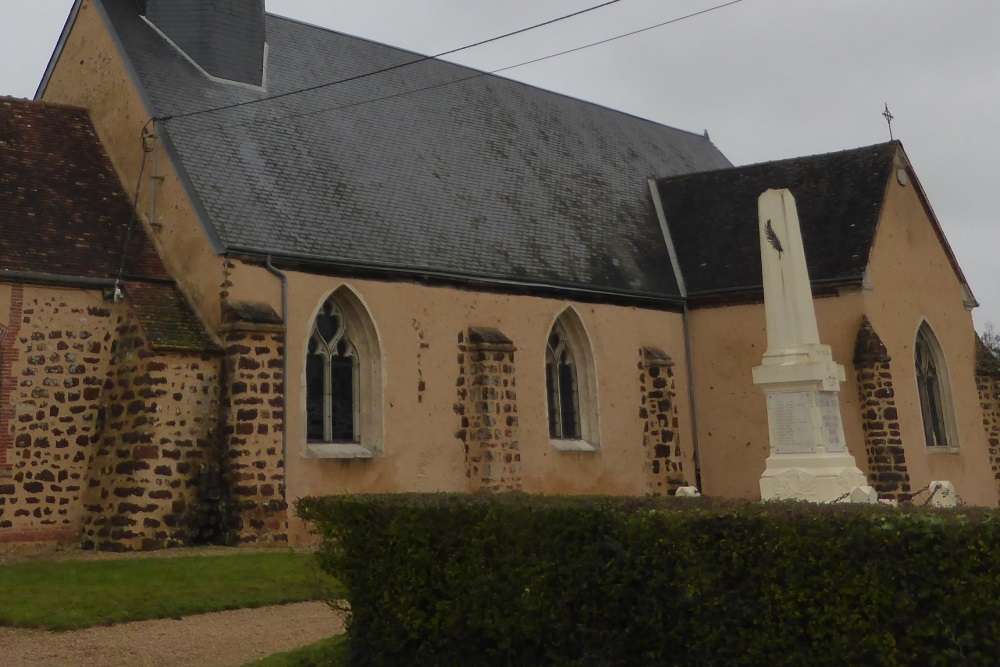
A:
[28,102]
[486,73]
[895,143]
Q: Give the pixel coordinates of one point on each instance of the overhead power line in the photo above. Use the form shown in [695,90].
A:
[478,74]
[390,68]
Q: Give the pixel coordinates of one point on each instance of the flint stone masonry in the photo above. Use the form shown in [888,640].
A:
[157,423]
[487,410]
[54,361]
[253,424]
[664,465]
[887,470]
[988,384]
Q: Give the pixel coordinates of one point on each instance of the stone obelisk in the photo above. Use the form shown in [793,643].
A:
[801,382]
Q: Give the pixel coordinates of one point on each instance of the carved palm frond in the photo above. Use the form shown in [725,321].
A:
[772,238]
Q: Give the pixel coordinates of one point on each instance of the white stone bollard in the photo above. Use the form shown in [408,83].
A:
[942,494]
[863,495]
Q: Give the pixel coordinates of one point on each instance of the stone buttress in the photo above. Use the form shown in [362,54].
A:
[487,408]
[988,384]
[155,425]
[253,421]
[887,471]
[664,465]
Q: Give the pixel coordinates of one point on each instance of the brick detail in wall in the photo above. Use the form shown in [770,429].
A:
[887,471]
[8,383]
[988,384]
[487,409]
[664,464]
[157,423]
[253,424]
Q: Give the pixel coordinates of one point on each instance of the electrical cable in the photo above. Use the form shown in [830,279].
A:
[477,74]
[146,148]
[388,69]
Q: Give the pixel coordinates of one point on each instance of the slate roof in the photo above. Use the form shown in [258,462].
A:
[64,215]
[712,217]
[62,208]
[485,178]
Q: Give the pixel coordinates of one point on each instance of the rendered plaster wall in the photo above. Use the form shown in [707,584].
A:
[418,328]
[55,357]
[91,73]
[732,414]
[914,281]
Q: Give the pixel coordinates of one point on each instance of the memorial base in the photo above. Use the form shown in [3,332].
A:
[809,457]
[816,477]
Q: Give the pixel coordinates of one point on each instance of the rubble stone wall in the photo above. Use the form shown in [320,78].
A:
[54,359]
[253,424]
[487,410]
[158,416]
[988,384]
[664,466]
[887,471]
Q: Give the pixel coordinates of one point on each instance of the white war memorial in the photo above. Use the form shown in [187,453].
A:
[809,459]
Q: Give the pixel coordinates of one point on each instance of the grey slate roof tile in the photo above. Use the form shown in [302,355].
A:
[486,178]
[712,216]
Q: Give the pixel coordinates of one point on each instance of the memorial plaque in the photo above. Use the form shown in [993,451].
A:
[790,416]
[829,412]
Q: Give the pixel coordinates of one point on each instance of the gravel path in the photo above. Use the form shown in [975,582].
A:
[219,639]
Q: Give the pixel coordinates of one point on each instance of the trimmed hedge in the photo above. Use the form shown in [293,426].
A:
[528,580]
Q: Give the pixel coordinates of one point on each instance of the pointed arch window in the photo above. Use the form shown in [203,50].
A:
[343,381]
[571,387]
[932,389]
[331,379]
[562,386]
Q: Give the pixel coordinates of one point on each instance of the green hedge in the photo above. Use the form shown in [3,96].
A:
[526,580]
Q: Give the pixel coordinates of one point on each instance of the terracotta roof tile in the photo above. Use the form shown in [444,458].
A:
[64,210]
[167,318]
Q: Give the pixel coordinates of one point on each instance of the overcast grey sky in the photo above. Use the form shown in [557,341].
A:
[768,79]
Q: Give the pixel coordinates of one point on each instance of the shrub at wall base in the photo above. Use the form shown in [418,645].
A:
[525,580]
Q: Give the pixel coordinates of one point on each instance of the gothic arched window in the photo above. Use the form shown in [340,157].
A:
[932,388]
[571,386]
[562,387]
[332,379]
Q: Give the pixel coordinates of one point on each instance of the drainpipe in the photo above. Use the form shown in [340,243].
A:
[284,371]
[654,193]
[689,360]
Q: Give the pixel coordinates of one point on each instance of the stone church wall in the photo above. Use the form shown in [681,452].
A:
[253,419]
[55,355]
[101,438]
[913,281]
[159,415]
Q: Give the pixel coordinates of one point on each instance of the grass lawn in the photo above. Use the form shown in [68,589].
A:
[77,594]
[330,652]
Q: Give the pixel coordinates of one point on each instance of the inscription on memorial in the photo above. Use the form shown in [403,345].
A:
[790,417]
[829,412]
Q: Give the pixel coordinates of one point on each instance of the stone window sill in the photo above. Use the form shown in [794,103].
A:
[338,450]
[572,446]
[943,450]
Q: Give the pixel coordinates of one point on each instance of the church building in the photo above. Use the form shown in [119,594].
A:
[247,260]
